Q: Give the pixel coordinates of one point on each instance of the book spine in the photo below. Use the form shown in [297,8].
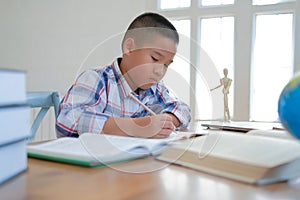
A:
[13,160]
[12,87]
[15,123]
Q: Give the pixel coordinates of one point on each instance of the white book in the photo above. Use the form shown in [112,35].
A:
[13,160]
[15,123]
[99,149]
[12,87]
[248,158]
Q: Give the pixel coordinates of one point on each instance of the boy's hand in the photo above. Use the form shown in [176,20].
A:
[161,126]
[156,126]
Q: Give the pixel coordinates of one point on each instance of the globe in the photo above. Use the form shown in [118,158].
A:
[289,106]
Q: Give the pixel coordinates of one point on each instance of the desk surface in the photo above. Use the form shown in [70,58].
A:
[138,179]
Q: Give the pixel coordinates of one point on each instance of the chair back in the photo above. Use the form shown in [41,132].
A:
[44,101]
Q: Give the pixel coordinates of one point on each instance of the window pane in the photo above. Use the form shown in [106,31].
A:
[217,40]
[216,2]
[173,4]
[179,71]
[272,64]
[268,2]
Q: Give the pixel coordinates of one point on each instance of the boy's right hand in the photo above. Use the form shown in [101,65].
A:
[156,126]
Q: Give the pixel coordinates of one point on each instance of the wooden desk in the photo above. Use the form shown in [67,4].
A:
[139,179]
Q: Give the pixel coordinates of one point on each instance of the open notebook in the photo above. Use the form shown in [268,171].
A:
[100,149]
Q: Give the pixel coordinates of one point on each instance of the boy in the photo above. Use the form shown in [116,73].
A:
[99,101]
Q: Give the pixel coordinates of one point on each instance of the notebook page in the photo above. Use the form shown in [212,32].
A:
[117,144]
[69,147]
[103,148]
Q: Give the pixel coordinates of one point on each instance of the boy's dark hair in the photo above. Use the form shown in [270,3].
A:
[145,25]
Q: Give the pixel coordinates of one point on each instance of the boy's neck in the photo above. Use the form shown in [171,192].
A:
[127,76]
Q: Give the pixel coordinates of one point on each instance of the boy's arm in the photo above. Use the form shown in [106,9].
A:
[158,126]
[178,110]
[175,120]
[81,110]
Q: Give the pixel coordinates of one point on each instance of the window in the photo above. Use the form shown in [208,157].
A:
[173,4]
[272,63]
[216,2]
[179,71]
[267,2]
[217,40]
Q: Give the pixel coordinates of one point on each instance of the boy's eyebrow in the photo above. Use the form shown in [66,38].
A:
[157,52]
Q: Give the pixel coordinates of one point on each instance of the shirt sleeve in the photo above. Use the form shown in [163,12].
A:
[172,104]
[81,110]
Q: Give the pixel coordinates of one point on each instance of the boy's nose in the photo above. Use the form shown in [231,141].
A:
[159,69]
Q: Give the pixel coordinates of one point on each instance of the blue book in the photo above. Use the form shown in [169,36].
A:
[15,122]
[13,159]
[12,87]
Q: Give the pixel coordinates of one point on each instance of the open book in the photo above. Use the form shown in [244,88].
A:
[99,149]
[248,158]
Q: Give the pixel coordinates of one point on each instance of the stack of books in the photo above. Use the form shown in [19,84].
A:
[14,123]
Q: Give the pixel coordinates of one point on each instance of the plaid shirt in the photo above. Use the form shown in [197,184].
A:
[101,93]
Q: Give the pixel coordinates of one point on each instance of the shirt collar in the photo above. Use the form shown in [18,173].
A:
[124,88]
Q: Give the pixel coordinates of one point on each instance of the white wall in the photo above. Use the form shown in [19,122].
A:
[51,38]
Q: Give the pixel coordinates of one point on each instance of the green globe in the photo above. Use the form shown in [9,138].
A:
[289,106]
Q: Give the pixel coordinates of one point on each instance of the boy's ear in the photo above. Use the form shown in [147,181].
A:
[128,45]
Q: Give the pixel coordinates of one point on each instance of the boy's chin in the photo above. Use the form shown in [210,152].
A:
[146,87]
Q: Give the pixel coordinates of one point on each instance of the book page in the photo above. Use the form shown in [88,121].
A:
[256,150]
[116,144]
[63,147]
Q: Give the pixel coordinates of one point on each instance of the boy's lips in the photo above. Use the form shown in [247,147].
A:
[152,80]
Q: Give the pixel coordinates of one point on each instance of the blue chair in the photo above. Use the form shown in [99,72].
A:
[44,101]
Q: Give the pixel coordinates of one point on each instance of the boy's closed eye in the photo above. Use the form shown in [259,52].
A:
[154,59]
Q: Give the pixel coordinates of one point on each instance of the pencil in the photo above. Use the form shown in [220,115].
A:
[144,106]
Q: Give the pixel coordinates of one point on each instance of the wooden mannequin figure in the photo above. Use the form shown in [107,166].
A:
[226,83]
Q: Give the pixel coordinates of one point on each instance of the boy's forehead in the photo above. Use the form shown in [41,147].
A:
[159,44]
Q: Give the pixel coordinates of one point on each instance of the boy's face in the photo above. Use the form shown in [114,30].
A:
[145,65]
